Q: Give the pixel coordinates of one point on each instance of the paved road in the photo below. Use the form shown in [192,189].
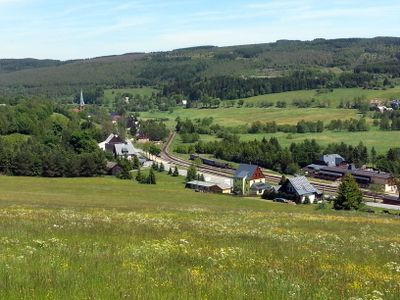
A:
[381,205]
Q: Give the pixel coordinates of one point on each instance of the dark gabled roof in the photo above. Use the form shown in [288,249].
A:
[357,172]
[245,171]
[303,186]
[314,167]
[260,186]
[372,174]
[125,149]
[110,165]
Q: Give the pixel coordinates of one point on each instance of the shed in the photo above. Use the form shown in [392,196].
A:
[209,187]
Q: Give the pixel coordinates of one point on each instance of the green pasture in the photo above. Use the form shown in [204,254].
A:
[243,116]
[110,94]
[381,140]
[103,238]
[333,98]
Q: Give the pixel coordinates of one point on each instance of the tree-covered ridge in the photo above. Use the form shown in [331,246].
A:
[12,65]
[260,62]
[42,138]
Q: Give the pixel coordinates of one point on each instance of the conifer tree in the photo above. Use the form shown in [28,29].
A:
[136,163]
[139,176]
[191,173]
[176,172]
[151,179]
[349,196]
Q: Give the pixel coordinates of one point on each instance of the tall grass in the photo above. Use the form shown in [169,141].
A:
[109,239]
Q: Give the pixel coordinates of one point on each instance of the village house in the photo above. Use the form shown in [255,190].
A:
[118,146]
[142,138]
[133,122]
[300,188]
[209,187]
[115,117]
[113,168]
[395,104]
[382,108]
[249,180]
[376,102]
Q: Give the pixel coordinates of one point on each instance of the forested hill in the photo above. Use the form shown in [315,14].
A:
[197,71]
[12,65]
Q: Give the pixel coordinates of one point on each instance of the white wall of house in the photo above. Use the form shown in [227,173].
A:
[390,188]
[311,197]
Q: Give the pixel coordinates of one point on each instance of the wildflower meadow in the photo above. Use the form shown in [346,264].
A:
[104,238]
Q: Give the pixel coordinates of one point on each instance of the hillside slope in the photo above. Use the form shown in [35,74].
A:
[377,56]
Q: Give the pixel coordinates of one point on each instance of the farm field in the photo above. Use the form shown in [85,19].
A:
[381,140]
[103,238]
[334,98]
[235,116]
[243,116]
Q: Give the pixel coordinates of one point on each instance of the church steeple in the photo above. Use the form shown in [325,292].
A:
[81,102]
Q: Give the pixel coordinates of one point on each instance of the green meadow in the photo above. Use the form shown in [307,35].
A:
[381,140]
[103,238]
[110,94]
[333,98]
[242,116]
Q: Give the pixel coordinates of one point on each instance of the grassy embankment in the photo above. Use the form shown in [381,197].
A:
[103,238]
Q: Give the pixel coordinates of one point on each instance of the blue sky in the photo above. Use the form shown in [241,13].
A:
[81,29]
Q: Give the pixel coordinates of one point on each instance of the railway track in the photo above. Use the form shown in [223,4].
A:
[228,173]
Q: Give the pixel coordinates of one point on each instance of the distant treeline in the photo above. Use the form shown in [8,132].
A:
[270,154]
[228,88]
[217,72]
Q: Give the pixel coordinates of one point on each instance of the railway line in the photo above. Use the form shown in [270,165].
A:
[228,173]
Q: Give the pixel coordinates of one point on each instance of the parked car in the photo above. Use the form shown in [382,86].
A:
[280,200]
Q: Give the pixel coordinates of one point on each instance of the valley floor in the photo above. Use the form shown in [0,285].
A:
[104,238]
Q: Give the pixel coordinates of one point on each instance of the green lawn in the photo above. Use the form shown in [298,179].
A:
[103,238]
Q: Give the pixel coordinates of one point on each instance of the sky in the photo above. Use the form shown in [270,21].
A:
[70,29]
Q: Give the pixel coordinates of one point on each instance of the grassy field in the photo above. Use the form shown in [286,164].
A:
[290,115]
[243,116]
[381,140]
[109,94]
[334,98]
[108,239]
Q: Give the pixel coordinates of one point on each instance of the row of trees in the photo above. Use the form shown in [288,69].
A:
[270,154]
[351,125]
[228,88]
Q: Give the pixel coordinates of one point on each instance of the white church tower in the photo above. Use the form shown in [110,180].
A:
[81,102]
